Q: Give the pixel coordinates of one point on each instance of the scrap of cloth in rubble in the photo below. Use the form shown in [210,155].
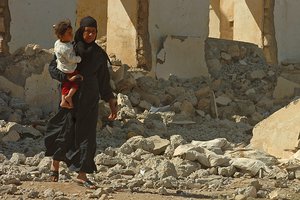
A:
[71,133]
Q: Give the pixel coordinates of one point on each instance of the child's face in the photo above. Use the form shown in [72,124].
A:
[68,36]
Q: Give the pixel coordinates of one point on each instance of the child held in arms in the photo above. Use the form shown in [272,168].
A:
[66,61]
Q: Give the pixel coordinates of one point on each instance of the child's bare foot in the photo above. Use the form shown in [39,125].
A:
[68,98]
[65,104]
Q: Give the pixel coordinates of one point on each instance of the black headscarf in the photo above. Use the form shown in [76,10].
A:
[87,47]
[84,22]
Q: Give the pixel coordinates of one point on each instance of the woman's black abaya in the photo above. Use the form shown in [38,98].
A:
[71,134]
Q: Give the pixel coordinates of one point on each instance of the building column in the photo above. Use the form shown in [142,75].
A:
[122,30]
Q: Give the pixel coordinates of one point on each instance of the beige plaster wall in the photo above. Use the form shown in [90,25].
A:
[177,18]
[41,91]
[183,57]
[227,18]
[214,19]
[287,29]
[248,21]
[96,9]
[240,20]
[32,20]
[122,30]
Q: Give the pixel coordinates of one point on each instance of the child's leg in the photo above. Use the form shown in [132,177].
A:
[68,97]
[64,103]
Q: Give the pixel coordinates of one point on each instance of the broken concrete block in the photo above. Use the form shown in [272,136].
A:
[42,91]
[160,144]
[226,56]
[183,149]
[32,49]
[249,165]
[15,90]
[284,88]
[223,100]
[257,74]
[184,57]
[18,158]
[12,136]
[187,108]
[217,145]
[279,134]
[117,73]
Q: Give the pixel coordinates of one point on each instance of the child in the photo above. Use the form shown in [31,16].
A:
[66,61]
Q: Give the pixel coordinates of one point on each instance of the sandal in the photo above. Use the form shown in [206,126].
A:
[54,176]
[87,184]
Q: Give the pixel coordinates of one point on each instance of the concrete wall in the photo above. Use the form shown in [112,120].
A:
[227,18]
[32,20]
[287,29]
[122,30]
[248,21]
[177,18]
[96,9]
[240,20]
[214,19]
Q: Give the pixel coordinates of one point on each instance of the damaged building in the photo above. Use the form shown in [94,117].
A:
[245,54]
[207,96]
[140,33]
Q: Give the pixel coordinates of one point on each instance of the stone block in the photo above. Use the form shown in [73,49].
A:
[160,144]
[184,57]
[15,90]
[42,91]
[279,134]
[284,88]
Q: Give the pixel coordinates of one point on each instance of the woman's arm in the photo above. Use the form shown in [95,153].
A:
[104,83]
[106,90]
[56,73]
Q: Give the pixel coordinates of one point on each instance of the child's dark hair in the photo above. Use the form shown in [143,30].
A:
[61,27]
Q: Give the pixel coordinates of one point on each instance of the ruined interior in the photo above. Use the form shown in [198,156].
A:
[207,93]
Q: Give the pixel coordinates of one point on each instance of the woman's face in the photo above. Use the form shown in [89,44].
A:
[89,34]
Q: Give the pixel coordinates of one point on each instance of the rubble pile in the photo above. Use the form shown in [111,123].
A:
[240,87]
[153,163]
[176,134]
[15,71]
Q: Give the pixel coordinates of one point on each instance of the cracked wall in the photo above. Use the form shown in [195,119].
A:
[177,18]
[247,21]
[32,20]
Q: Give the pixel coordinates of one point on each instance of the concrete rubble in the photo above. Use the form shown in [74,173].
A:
[175,134]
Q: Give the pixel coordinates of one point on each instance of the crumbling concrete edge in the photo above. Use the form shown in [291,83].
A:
[143,51]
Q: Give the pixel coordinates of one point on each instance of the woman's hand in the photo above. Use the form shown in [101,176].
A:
[113,109]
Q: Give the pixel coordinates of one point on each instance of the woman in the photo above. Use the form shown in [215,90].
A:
[71,134]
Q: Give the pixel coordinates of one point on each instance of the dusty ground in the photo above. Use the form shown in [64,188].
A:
[71,189]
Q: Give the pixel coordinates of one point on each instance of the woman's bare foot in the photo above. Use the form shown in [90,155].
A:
[84,181]
[68,99]
[54,171]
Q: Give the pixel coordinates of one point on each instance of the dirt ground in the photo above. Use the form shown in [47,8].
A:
[71,189]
